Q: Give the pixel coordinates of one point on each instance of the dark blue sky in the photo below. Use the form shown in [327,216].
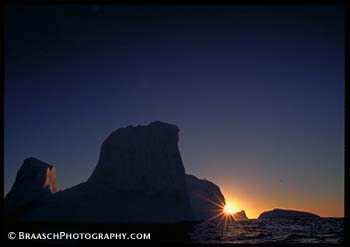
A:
[257,91]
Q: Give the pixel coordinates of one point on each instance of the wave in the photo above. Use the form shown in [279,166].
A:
[324,230]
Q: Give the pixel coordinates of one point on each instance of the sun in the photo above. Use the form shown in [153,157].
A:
[228,209]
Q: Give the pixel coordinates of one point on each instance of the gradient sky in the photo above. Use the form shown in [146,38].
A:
[257,91]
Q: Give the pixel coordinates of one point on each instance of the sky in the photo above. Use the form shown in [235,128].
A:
[257,92]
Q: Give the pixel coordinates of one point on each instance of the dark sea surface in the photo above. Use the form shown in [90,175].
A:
[261,231]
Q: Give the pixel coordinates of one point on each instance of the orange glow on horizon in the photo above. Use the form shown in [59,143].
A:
[254,193]
[253,207]
[256,197]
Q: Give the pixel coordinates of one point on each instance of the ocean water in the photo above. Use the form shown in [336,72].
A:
[256,231]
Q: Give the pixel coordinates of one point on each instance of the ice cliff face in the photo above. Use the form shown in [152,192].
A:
[139,178]
[35,181]
[205,196]
[141,158]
